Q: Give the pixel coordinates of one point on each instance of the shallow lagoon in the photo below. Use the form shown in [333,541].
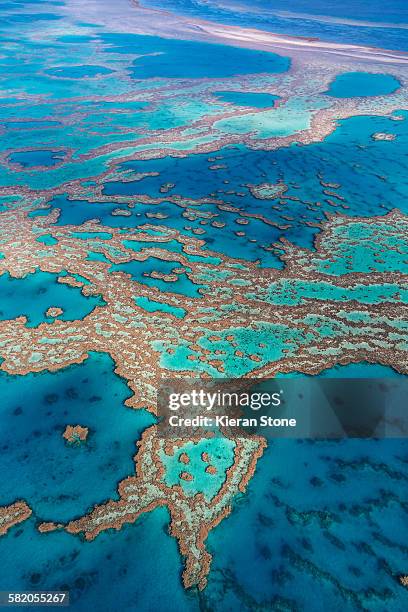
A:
[154,306]
[247,98]
[204,58]
[78,72]
[33,159]
[141,272]
[56,479]
[357,84]
[349,159]
[221,453]
[33,294]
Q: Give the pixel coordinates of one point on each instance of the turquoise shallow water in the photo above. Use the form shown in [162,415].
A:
[153,306]
[297,292]
[221,454]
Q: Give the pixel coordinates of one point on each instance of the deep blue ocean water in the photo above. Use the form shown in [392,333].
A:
[137,568]
[320,521]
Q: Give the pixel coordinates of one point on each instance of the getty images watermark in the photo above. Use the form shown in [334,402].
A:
[221,401]
[302,407]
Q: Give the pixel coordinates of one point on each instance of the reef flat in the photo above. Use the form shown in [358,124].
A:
[240,214]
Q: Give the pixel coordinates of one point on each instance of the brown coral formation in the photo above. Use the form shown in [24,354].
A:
[186,476]
[54,311]
[121,325]
[383,136]
[136,339]
[47,527]
[191,517]
[13,514]
[403,580]
[268,191]
[75,434]
[211,469]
